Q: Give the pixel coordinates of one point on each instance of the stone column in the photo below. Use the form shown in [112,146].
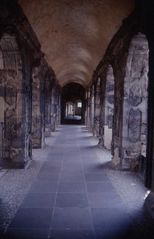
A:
[102,109]
[16,104]
[92,108]
[55,107]
[59,108]
[135,104]
[109,109]
[48,90]
[97,108]
[37,109]
[88,109]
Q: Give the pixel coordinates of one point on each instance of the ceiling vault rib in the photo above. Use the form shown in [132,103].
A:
[74,35]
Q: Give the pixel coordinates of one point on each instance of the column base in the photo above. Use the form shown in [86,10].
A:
[8,164]
[38,141]
[101,142]
[47,134]
[149,204]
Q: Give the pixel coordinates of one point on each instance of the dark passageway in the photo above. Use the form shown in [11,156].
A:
[76,195]
[73,104]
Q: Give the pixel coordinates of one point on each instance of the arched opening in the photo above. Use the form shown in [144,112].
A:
[109,109]
[134,131]
[72,102]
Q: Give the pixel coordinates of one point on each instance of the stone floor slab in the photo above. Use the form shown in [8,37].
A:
[71,200]
[32,218]
[71,219]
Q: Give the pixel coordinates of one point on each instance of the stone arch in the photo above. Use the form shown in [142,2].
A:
[109,108]
[135,104]
[15,137]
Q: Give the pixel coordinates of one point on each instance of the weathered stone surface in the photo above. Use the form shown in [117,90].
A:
[37,111]
[11,82]
[109,108]
[135,101]
[21,109]
[97,93]
[47,98]
[134,125]
[128,56]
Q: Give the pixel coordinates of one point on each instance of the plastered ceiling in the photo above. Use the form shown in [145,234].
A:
[74,34]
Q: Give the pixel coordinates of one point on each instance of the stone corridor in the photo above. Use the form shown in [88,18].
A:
[73,193]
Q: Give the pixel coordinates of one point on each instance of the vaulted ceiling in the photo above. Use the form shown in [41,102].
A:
[74,34]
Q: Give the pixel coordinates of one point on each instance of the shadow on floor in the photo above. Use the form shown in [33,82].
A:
[72,122]
[107,165]
[3,213]
[85,137]
[139,226]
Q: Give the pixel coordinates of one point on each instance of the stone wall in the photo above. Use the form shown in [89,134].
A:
[122,55]
[25,88]
[15,136]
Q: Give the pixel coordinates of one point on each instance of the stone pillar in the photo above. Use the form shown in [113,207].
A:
[117,123]
[88,110]
[92,108]
[37,109]
[135,105]
[97,108]
[86,107]
[14,98]
[2,107]
[59,108]
[149,202]
[53,109]
[102,96]
[109,109]
[48,90]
